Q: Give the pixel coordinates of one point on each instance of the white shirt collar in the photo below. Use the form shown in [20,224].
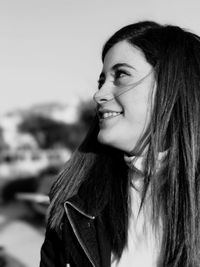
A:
[137,163]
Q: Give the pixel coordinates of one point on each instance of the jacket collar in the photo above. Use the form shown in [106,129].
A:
[79,205]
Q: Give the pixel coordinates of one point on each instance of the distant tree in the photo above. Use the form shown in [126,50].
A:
[49,132]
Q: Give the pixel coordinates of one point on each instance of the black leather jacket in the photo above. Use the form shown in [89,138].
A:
[82,242]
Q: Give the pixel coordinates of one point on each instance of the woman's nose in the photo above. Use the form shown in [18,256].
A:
[103,95]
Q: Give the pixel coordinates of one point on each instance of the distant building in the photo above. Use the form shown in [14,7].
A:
[23,156]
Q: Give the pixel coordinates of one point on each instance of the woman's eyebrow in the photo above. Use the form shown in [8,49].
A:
[118,65]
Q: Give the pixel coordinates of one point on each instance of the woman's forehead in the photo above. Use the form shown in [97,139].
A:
[123,53]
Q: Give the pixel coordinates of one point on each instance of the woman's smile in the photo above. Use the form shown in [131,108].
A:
[105,114]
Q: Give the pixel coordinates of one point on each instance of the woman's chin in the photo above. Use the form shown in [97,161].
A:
[106,139]
[103,139]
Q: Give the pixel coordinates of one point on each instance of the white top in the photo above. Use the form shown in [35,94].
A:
[143,243]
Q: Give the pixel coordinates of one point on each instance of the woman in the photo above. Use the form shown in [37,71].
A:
[129,196]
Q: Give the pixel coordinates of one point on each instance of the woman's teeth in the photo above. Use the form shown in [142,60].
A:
[110,114]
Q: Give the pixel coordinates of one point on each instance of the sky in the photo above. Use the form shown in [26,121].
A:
[50,50]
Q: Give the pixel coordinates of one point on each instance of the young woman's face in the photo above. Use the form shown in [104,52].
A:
[124,109]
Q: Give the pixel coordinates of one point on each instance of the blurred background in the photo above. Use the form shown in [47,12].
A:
[50,59]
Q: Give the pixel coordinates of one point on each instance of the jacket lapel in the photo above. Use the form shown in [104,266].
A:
[83,225]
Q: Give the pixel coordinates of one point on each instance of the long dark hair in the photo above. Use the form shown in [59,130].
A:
[99,171]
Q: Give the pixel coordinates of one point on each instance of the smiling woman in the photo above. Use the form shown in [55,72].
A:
[130,194]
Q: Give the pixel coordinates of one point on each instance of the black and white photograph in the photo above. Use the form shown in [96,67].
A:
[99,133]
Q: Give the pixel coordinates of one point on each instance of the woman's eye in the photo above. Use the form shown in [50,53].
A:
[119,74]
[120,77]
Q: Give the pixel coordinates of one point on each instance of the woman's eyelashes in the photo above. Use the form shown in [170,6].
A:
[119,78]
